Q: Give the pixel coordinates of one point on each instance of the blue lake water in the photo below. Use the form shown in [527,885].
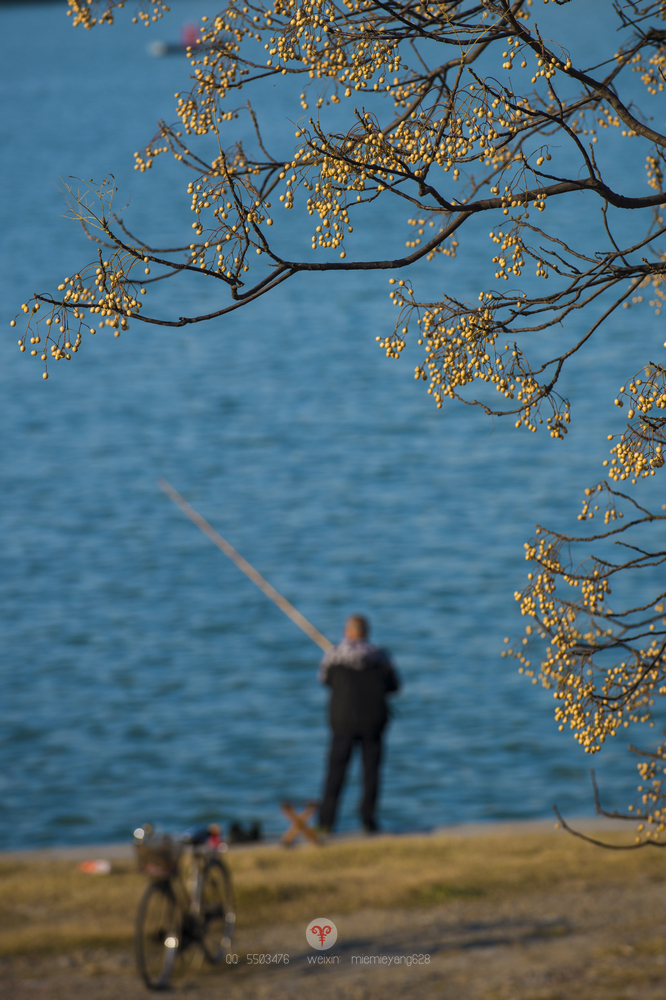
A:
[143,678]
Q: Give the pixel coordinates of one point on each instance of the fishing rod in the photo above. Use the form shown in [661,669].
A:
[244,566]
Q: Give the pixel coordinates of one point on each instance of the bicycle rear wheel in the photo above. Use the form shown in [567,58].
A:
[157,935]
[218,911]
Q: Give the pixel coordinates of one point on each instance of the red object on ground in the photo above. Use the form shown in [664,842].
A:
[99,867]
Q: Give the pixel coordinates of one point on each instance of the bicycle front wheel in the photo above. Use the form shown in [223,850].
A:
[218,911]
[157,935]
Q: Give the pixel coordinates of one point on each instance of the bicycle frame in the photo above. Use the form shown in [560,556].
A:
[173,913]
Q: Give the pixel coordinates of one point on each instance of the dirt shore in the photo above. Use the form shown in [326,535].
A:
[519,914]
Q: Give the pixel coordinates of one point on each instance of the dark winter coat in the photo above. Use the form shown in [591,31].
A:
[359,676]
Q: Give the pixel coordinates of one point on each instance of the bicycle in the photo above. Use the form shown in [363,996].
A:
[189,901]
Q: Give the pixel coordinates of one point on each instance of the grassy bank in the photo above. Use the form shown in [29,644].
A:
[50,907]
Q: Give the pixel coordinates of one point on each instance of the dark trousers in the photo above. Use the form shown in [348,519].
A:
[338,760]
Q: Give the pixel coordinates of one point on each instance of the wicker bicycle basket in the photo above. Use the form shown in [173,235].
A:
[158,858]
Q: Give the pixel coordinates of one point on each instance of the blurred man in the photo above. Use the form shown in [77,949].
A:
[360,676]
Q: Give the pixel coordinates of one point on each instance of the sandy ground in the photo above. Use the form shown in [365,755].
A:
[575,942]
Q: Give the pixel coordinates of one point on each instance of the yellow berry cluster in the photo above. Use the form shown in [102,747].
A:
[460,344]
[107,292]
[650,809]
[595,697]
[88,13]
[639,449]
